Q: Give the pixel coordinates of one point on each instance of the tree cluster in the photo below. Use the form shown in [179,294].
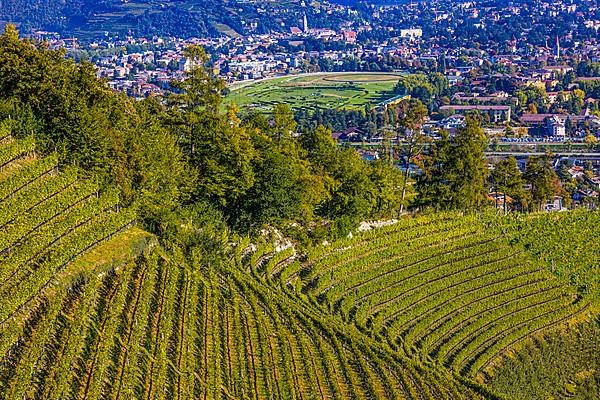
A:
[194,168]
[426,88]
[187,157]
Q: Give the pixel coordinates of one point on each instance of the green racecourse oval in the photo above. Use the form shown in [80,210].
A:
[326,90]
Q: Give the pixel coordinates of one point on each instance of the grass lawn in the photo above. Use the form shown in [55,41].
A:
[326,91]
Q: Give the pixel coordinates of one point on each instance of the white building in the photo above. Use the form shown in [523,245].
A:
[411,33]
[555,126]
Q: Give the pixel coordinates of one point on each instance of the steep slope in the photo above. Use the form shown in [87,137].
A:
[94,308]
[451,288]
[48,220]
[158,327]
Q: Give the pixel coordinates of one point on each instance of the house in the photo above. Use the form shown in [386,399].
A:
[501,200]
[349,36]
[555,126]
[552,124]
[558,69]
[352,134]
[595,182]
[411,33]
[368,155]
[497,114]
[556,204]
[583,194]
[452,122]
[576,171]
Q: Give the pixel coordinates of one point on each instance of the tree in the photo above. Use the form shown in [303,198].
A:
[197,105]
[591,141]
[419,87]
[284,123]
[432,184]
[532,108]
[389,196]
[439,82]
[454,171]
[569,127]
[320,147]
[74,114]
[276,194]
[507,178]
[410,117]
[217,145]
[542,178]
[154,175]
[467,170]
[352,197]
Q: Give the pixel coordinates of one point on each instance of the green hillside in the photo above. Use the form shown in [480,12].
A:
[156,325]
[167,250]
[422,309]
[443,287]
[91,309]
[157,328]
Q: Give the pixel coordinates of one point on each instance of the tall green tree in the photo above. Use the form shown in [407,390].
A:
[197,106]
[410,118]
[507,178]
[216,143]
[544,182]
[160,179]
[284,123]
[468,171]
[433,186]
[455,171]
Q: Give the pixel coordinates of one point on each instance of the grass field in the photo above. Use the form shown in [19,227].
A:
[326,90]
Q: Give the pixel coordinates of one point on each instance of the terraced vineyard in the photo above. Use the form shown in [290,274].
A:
[154,325]
[445,287]
[47,220]
[567,243]
[92,308]
[158,328]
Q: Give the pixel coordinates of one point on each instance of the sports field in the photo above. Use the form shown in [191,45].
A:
[325,90]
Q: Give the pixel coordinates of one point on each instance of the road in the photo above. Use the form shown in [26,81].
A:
[588,155]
